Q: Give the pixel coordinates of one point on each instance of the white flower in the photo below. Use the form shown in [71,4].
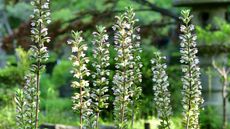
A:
[86,60]
[32,31]
[36,10]
[87,73]
[191,27]
[48,40]
[48,13]
[33,24]
[45,6]
[182,28]
[85,48]
[77,75]
[48,21]
[44,30]
[103,79]
[126,25]
[114,28]
[76,63]
[106,37]
[128,40]
[74,49]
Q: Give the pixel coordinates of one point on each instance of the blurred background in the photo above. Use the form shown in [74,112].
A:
[159,23]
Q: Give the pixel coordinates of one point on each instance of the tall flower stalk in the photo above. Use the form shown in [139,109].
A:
[38,55]
[191,92]
[123,78]
[161,92]
[101,72]
[136,63]
[81,99]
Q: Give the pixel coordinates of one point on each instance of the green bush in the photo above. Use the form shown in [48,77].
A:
[7,117]
[61,73]
[57,111]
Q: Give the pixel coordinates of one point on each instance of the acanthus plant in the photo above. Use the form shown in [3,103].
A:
[39,55]
[81,99]
[101,73]
[136,63]
[161,91]
[191,92]
[125,65]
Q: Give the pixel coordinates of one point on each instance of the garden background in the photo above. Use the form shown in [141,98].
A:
[158,20]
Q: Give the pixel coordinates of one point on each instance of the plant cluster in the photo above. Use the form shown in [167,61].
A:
[191,90]
[91,97]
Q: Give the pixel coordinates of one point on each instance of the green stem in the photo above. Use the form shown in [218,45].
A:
[38,70]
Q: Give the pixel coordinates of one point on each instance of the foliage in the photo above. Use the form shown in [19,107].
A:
[7,117]
[219,36]
[20,8]
[191,79]
[213,122]
[12,76]
[61,70]
[61,114]
[48,88]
